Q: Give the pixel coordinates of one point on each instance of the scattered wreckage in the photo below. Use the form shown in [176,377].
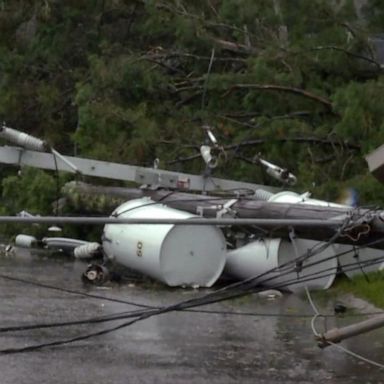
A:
[190,239]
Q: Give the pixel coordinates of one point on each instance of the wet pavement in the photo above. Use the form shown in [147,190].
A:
[177,347]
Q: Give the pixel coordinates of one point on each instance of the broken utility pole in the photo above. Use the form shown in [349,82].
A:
[366,229]
[336,335]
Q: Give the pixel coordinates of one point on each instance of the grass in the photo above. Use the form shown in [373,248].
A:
[369,287]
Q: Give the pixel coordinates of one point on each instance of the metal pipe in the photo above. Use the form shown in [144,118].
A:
[336,335]
[192,221]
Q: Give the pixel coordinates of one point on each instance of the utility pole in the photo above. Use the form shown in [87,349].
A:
[336,335]
[363,231]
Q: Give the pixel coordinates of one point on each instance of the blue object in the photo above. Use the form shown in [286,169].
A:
[349,196]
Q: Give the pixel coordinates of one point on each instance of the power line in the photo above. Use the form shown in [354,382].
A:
[340,347]
[139,316]
[356,355]
[370,262]
[127,314]
[231,291]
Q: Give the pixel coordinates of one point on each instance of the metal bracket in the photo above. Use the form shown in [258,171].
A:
[154,179]
[226,209]
[21,152]
[200,209]
[220,209]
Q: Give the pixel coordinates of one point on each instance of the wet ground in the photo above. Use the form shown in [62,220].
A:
[180,347]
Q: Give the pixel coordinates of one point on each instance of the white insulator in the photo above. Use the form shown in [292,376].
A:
[211,137]
[209,159]
[277,173]
[22,139]
[86,251]
[25,241]
[261,194]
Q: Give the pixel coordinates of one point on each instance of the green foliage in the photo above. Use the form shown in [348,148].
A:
[40,187]
[129,82]
[362,113]
[373,11]
[32,190]
[369,287]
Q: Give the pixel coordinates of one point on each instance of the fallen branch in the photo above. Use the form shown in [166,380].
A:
[292,115]
[306,140]
[169,55]
[234,47]
[345,51]
[282,88]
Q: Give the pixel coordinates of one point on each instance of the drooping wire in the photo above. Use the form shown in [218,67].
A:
[72,291]
[141,316]
[315,310]
[228,287]
[231,291]
[341,347]
[127,314]
[207,78]
[178,306]
[356,355]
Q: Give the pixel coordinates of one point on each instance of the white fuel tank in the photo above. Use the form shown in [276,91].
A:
[353,260]
[259,257]
[178,255]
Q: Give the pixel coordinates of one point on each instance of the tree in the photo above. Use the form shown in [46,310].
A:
[132,81]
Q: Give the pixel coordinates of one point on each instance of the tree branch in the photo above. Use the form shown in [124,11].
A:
[234,47]
[300,140]
[343,50]
[169,55]
[282,88]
